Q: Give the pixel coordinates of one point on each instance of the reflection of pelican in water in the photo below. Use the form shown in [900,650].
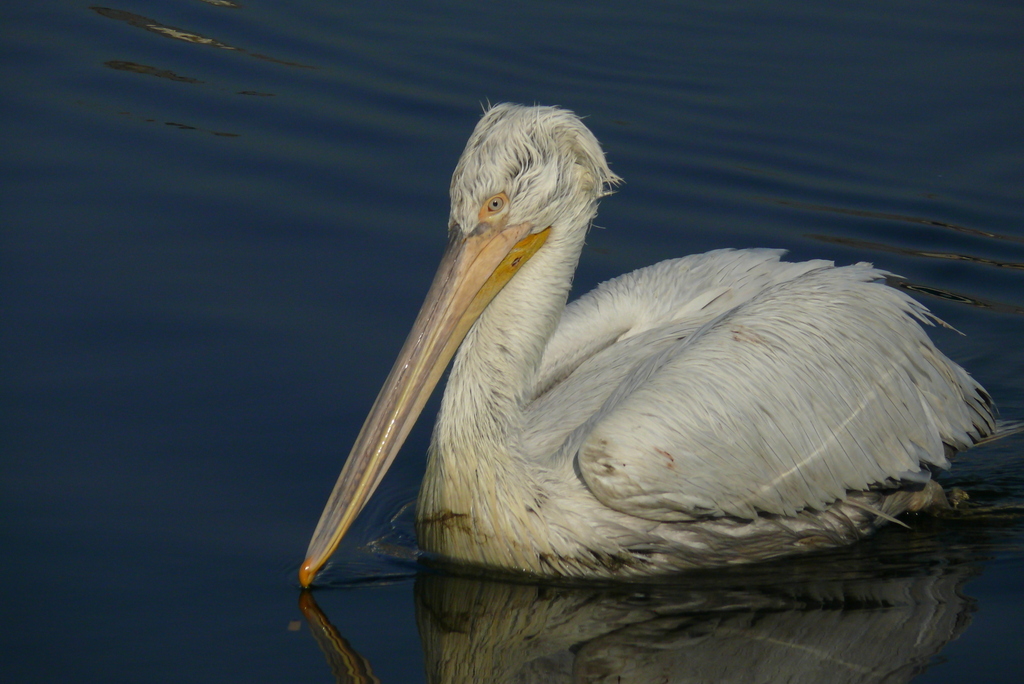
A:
[878,616]
[718,408]
[347,665]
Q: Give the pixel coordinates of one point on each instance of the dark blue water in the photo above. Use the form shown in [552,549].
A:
[219,220]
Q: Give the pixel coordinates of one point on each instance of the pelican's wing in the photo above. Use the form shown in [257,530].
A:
[691,289]
[603,336]
[820,383]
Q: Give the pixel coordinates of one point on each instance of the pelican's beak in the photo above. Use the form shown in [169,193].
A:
[473,270]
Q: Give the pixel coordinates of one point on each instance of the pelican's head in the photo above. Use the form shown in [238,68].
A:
[525,173]
[535,165]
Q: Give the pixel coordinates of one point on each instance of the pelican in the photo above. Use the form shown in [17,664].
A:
[720,408]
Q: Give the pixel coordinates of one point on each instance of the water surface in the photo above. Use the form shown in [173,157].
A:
[219,219]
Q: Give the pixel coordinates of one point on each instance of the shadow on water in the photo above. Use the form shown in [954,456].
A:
[881,611]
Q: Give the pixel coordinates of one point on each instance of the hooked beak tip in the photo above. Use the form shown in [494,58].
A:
[307,572]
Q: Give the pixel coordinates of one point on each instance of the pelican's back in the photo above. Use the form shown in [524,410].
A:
[734,384]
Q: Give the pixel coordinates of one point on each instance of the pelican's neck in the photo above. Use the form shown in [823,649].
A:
[495,367]
[475,469]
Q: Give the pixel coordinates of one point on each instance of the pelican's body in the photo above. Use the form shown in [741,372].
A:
[723,407]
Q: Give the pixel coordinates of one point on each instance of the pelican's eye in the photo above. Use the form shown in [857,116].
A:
[493,206]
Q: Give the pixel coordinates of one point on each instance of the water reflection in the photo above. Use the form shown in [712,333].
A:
[878,614]
[121,65]
[345,662]
[889,216]
[949,295]
[161,29]
[927,254]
